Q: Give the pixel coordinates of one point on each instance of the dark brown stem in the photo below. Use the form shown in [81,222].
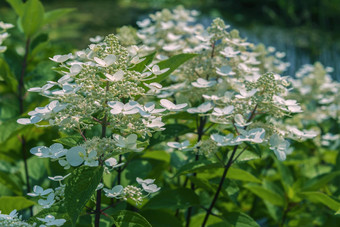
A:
[98,210]
[200,132]
[21,92]
[119,175]
[226,168]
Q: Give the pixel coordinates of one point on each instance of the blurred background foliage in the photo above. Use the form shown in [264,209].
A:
[307,31]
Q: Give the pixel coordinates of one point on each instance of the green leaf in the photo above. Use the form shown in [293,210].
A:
[173,63]
[266,194]
[7,180]
[172,199]
[318,197]
[142,65]
[32,18]
[18,6]
[240,174]
[286,175]
[38,40]
[162,156]
[161,218]
[9,203]
[56,14]
[80,187]
[171,131]
[7,76]
[240,219]
[58,210]
[215,221]
[125,218]
[198,166]
[8,128]
[319,181]
[338,212]
[70,141]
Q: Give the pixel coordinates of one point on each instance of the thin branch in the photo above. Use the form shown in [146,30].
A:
[21,92]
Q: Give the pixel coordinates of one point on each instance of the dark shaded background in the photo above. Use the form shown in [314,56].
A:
[307,30]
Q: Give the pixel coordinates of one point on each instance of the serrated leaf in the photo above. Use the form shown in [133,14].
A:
[32,18]
[319,181]
[198,166]
[240,174]
[79,188]
[319,197]
[173,63]
[266,194]
[172,199]
[142,65]
[171,131]
[125,218]
[70,141]
[240,219]
[56,14]
[9,203]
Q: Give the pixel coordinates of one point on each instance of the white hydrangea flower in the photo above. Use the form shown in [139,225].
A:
[225,71]
[50,220]
[229,52]
[61,58]
[107,61]
[179,146]
[48,202]
[171,106]
[222,112]
[222,141]
[115,192]
[202,83]
[55,151]
[203,108]
[39,191]
[117,76]
[130,142]
[240,121]
[280,146]
[246,94]
[255,135]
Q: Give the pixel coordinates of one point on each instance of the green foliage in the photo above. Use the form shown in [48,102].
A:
[79,189]
[173,199]
[9,203]
[32,17]
[127,218]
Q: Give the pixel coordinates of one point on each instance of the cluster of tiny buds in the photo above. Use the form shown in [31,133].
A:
[134,193]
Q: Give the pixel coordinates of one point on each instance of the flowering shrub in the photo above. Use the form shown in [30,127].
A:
[198,116]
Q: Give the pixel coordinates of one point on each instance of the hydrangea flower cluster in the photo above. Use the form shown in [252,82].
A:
[99,86]
[14,220]
[4,35]
[132,192]
[318,93]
